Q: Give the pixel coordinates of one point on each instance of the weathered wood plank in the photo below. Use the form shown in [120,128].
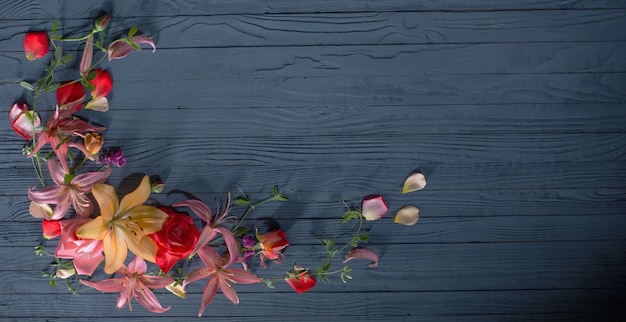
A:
[361,91]
[373,28]
[382,121]
[385,305]
[340,61]
[34,9]
[304,231]
[320,177]
[447,203]
[406,268]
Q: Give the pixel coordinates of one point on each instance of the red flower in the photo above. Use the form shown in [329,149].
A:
[175,240]
[102,84]
[35,44]
[300,280]
[51,228]
[70,96]
[272,244]
[24,121]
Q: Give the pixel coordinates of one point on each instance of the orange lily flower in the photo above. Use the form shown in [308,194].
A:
[124,225]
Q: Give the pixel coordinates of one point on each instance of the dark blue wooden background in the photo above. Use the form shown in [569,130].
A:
[514,110]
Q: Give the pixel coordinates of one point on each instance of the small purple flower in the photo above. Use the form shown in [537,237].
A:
[112,156]
[248,243]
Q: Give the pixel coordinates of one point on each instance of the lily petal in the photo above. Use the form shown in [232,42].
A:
[416,181]
[208,295]
[241,276]
[100,104]
[40,210]
[373,207]
[146,298]
[85,62]
[110,285]
[144,247]
[407,215]
[89,179]
[96,228]
[107,199]
[197,207]
[144,40]
[86,263]
[138,196]
[362,253]
[115,251]
[228,289]
[231,244]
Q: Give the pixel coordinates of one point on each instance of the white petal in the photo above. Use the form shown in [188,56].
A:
[416,181]
[408,215]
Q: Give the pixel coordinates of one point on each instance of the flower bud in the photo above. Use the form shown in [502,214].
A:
[101,23]
[64,273]
[93,142]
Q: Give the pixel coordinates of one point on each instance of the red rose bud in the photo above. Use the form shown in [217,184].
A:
[101,23]
[102,83]
[175,240]
[300,280]
[35,44]
[51,228]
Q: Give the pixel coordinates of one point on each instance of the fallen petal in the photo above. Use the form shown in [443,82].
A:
[407,215]
[416,181]
[373,207]
[362,253]
[98,104]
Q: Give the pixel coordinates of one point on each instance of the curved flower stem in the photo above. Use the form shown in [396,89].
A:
[276,196]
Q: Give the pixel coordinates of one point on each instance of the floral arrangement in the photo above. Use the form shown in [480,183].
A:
[72,149]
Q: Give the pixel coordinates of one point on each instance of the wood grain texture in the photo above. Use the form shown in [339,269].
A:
[514,111]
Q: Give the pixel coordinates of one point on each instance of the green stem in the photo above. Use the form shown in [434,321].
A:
[251,207]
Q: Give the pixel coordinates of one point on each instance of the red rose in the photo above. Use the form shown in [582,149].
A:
[35,44]
[175,240]
[300,280]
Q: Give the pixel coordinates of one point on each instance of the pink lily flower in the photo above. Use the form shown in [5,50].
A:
[121,48]
[86,253]
[213,226]
[134,284]
[216,267]
[58,133]
[69,193]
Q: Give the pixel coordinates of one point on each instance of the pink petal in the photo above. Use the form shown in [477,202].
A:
[48,195]
[146,298]
[373,207]
[198,274]
[137,266]
[241,276]
[210,257]
[85,181]
[56,171]
[144,40]
[198,207]
[86,263]
[156,281]
[362,253]
[207,234]
[110,285]
[228,289]
[208,295]
[119,49]
[231,244]
[85,62]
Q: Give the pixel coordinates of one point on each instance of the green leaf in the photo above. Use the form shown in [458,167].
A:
[92,75]
[281,198]
[132,31]
[58,52]
[242,201]
[55,27]
[65,59]
[134,45]
[27,85]
[240,231]
[275,190]
[90,87]
[325,266]
[349,215]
